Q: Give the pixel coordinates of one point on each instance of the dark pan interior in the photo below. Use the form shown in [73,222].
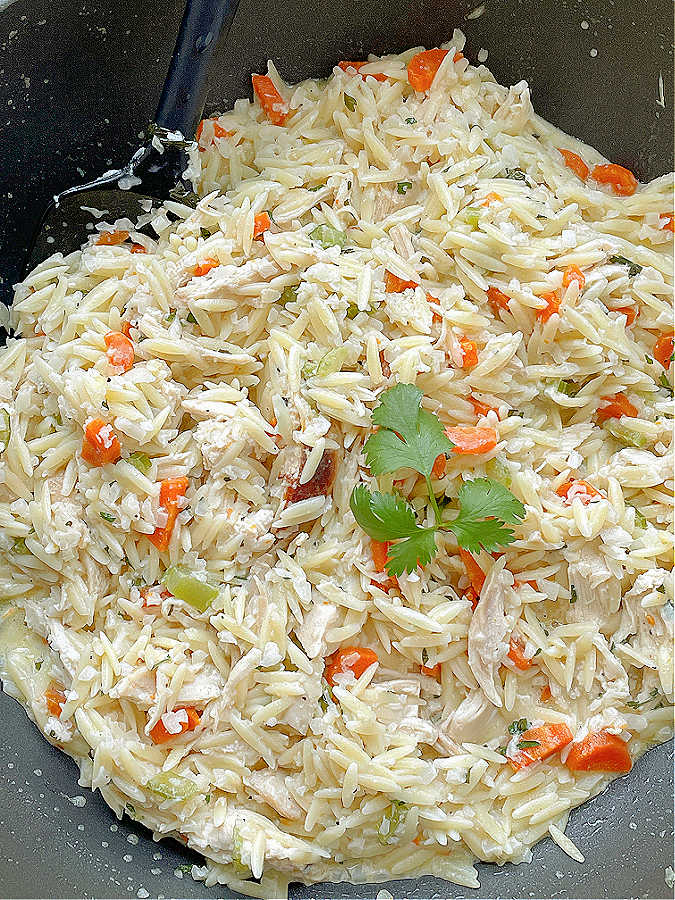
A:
[78,84]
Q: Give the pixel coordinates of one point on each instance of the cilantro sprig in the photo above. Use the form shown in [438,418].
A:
[412,437]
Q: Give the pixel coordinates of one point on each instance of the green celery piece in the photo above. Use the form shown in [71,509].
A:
[497,469]
[471,216]
[332,362]
[189,587]
[328,236]
[239,867]
[350,103]
[289,294]
[172,786]
[140,461]
[626,435]
[569,388]
[5,430]
[391,820]
[640,519]
[19,547]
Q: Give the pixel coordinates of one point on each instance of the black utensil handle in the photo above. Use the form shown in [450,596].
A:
[204,23]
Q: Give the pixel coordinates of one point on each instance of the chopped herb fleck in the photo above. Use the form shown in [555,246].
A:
[515,174]
[19,546]
[316,187]
[403,186]
[350,103]
[633,267]
[573,594]
[518,726]
[391,820]
[411,120]
[38,664]
[191,318]
[289,294]
[523,745]
[205,233]
[170,316]
[130,809]
[107,516]
[663,381]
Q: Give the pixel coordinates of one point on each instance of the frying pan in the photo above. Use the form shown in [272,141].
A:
[79,82]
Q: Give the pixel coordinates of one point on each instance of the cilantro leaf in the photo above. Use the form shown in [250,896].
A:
[485,497]
[416,550]
[384,517]
[413,437]
[485,507]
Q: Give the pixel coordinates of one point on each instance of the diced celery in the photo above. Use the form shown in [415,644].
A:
[140,461]
[309,369]
[352,311]
[19,547]
[350,103]
[472,215]
[569,388]
[391,820]
[289,294]
[497,469]
[640,519]
[332,362]
[328,236]
[189,587]
[172,786]
[626,435]
[5,430]
[237,846]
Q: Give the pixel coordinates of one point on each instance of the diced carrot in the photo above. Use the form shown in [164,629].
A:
[125,328]
[147,604]
[380,551]
[517,654]
[492,197]
[471,596]
[345,66]
[260,224]
[111,238]
[473,570]
[55,699]
[480,408]
[545,694]
[436,318]
[615,406]
[439,466]
[574,488]
[273,104]
[650,619]
[471,439]
[423,66]
[574,162]
[160,735]
[663,350]
[550,739]
[138,248]
[395,285]
[669,224]
[170,490]
[628,311]
[552,306]
[120,350]
[469,352]
[600,751]
[100,444]
[218,130]
[418,839]
[497,299]
[348,659]
[573,273]
[432,671]
[622,180]
[206,266]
